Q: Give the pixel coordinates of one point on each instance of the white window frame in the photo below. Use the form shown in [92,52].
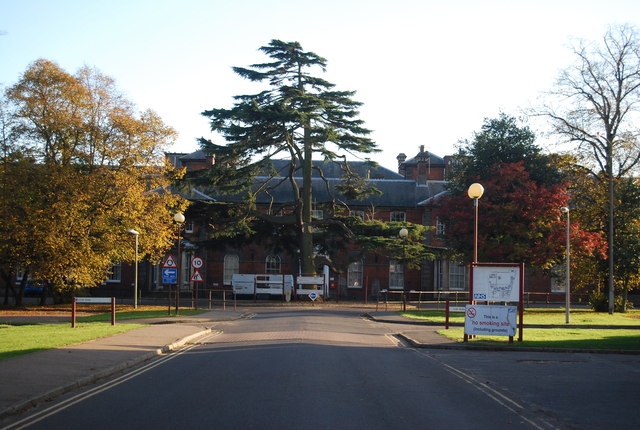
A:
[272,264]
[438,274]
[317,214]
[440,228]
[457,277]
[398,216]
[231,266]
[115,274]
[396,275]
[354,275]
[357,213]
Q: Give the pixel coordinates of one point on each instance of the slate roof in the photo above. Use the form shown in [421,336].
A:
[332,170]
[397,192]
[424,155]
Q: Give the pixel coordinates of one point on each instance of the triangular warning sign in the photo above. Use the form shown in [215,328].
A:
[196,277]
[169,263]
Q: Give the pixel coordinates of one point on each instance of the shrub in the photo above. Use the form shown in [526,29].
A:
[599,302]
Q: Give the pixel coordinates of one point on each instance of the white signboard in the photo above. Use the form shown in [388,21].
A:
[490,320]
[496,283]
[101,300]
[310,280]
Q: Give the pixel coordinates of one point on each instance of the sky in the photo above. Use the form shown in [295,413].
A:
[427,72]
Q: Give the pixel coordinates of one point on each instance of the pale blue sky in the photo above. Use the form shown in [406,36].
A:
[428,72]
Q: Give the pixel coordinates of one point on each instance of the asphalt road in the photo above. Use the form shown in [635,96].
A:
[331,369]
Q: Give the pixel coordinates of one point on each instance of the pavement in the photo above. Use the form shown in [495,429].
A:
[31,379]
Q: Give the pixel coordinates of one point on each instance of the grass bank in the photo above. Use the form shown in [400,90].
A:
[542,317]
[604,339]
[26,337]
[555,335]
[17,340]
[144,313]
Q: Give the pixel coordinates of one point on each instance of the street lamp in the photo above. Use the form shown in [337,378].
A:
[403,233]
[475,191]
[179,219]
[135,281]
[567,301]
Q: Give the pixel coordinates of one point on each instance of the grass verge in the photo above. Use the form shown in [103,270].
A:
[24,339]
[140,314]
[605,339]
[542,317]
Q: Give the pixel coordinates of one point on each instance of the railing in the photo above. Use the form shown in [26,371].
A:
[437,299]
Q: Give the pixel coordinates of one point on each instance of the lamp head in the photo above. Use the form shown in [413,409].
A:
[475,191]
[178,217]
[564,209]
[132,231]
[403,233]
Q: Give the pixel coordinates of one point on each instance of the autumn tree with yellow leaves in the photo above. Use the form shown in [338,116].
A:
[80,166]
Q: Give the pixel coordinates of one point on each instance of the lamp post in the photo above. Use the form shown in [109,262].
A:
[135,281]
[567,293]
[179,219]
[403,233]
[475,191]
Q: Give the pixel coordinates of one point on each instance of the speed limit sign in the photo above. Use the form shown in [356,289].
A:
[196,262]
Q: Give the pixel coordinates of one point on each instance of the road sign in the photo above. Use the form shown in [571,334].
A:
[170,262]
[313,295]
[196,262]
[490,320]
[169,276]
[196,277]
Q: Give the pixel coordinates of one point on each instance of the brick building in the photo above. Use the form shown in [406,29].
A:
[409,194]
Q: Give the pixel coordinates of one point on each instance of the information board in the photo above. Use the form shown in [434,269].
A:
[496,283]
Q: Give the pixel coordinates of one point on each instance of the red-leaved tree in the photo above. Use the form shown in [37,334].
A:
[518,221]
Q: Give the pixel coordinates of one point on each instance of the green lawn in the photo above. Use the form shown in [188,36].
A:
[556,336]
[23,339]
[559,338]
[543,317]
[140,314]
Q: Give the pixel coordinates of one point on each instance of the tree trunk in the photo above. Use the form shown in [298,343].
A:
[610,238]
[308,267]
[7,283]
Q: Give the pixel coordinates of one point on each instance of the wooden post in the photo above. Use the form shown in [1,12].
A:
[73,313]
[446,315]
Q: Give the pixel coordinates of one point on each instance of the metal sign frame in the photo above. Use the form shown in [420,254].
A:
[520,301]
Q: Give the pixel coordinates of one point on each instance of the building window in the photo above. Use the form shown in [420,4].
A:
[457,277]
[156,275]
[231,267]
[115,273]
[188,227]
[439,227]
[438,273]
[396,275]
[20,271]
[359,214]
[272,264]
[317,214]
[398,216]
[354,275]
[558,279]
